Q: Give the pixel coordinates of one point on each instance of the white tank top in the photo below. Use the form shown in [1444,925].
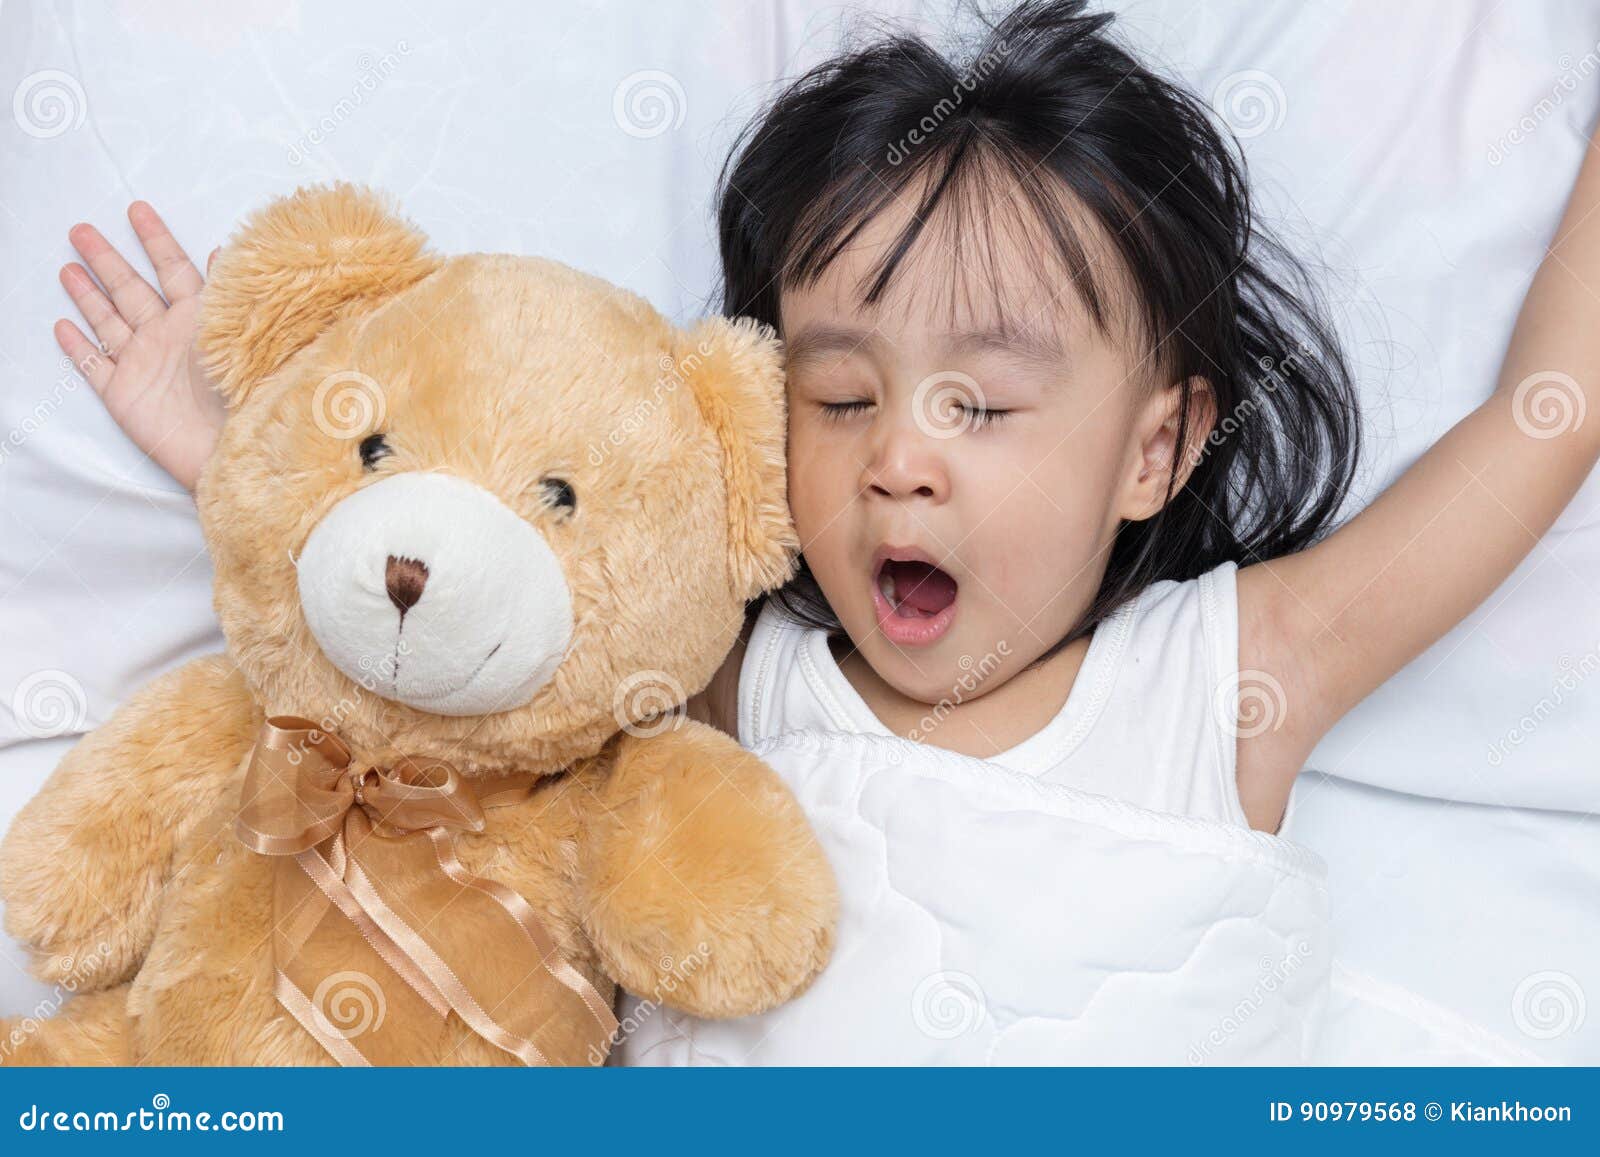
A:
[1151,719]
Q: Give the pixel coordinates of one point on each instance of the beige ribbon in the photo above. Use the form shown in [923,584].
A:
[377,919]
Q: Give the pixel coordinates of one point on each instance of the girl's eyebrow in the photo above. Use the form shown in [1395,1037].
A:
[816,341]
[813,341]
[1027,344]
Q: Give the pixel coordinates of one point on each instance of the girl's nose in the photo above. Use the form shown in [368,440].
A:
[905,462]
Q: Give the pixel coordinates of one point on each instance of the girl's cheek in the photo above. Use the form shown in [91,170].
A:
[814,476]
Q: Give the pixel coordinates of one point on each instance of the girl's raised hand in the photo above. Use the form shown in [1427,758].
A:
[144,367]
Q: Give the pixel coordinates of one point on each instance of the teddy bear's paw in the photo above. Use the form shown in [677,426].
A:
[86,1030]
[746,975]
[74,940]
[717,951]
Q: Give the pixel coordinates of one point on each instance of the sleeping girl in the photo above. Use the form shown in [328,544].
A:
[1070,437]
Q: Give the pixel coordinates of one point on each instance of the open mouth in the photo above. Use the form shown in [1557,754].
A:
[915,600]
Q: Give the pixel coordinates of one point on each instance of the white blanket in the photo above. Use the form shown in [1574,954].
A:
[988,918]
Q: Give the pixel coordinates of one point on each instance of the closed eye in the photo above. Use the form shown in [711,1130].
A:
[838,411]
[969,417]
[976,419]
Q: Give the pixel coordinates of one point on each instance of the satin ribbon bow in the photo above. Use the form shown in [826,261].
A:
[379,932]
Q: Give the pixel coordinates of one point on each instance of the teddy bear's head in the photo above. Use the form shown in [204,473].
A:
[483,507]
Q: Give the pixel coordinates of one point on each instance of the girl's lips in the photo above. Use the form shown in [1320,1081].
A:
[907,631]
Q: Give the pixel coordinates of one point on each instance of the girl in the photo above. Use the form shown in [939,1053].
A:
[1067,434]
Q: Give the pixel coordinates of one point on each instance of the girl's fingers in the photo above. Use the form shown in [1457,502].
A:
[102,317]
[135,300]
[174,271]
[92,364]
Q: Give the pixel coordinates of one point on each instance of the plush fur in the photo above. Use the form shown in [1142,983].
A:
[656,848]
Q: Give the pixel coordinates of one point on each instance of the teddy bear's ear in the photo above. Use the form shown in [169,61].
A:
[293,269]
[736,370]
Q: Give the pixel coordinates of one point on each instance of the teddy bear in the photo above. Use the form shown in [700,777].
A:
[480,525]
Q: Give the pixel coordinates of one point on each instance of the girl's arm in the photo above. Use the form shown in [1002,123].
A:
[1329,624]
[147,374]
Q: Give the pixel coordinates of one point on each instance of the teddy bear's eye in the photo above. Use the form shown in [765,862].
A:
[559,494]
[374,448]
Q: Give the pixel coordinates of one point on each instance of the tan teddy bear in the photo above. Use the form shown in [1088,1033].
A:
[479,523]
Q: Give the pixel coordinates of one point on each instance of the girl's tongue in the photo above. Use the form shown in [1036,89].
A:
[916,588]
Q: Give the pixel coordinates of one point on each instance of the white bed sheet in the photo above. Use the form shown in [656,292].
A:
[1421,151]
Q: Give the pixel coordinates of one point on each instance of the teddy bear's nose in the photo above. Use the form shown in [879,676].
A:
[404,579]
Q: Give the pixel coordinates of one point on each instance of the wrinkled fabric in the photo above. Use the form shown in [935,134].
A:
[991,919]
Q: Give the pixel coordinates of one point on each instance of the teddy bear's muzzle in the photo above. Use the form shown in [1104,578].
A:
[427,589]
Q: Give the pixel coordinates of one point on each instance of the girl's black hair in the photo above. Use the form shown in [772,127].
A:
[1049,104]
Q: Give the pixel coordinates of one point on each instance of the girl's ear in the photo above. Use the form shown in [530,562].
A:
[293,269]
[1156,447]
[736,371]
